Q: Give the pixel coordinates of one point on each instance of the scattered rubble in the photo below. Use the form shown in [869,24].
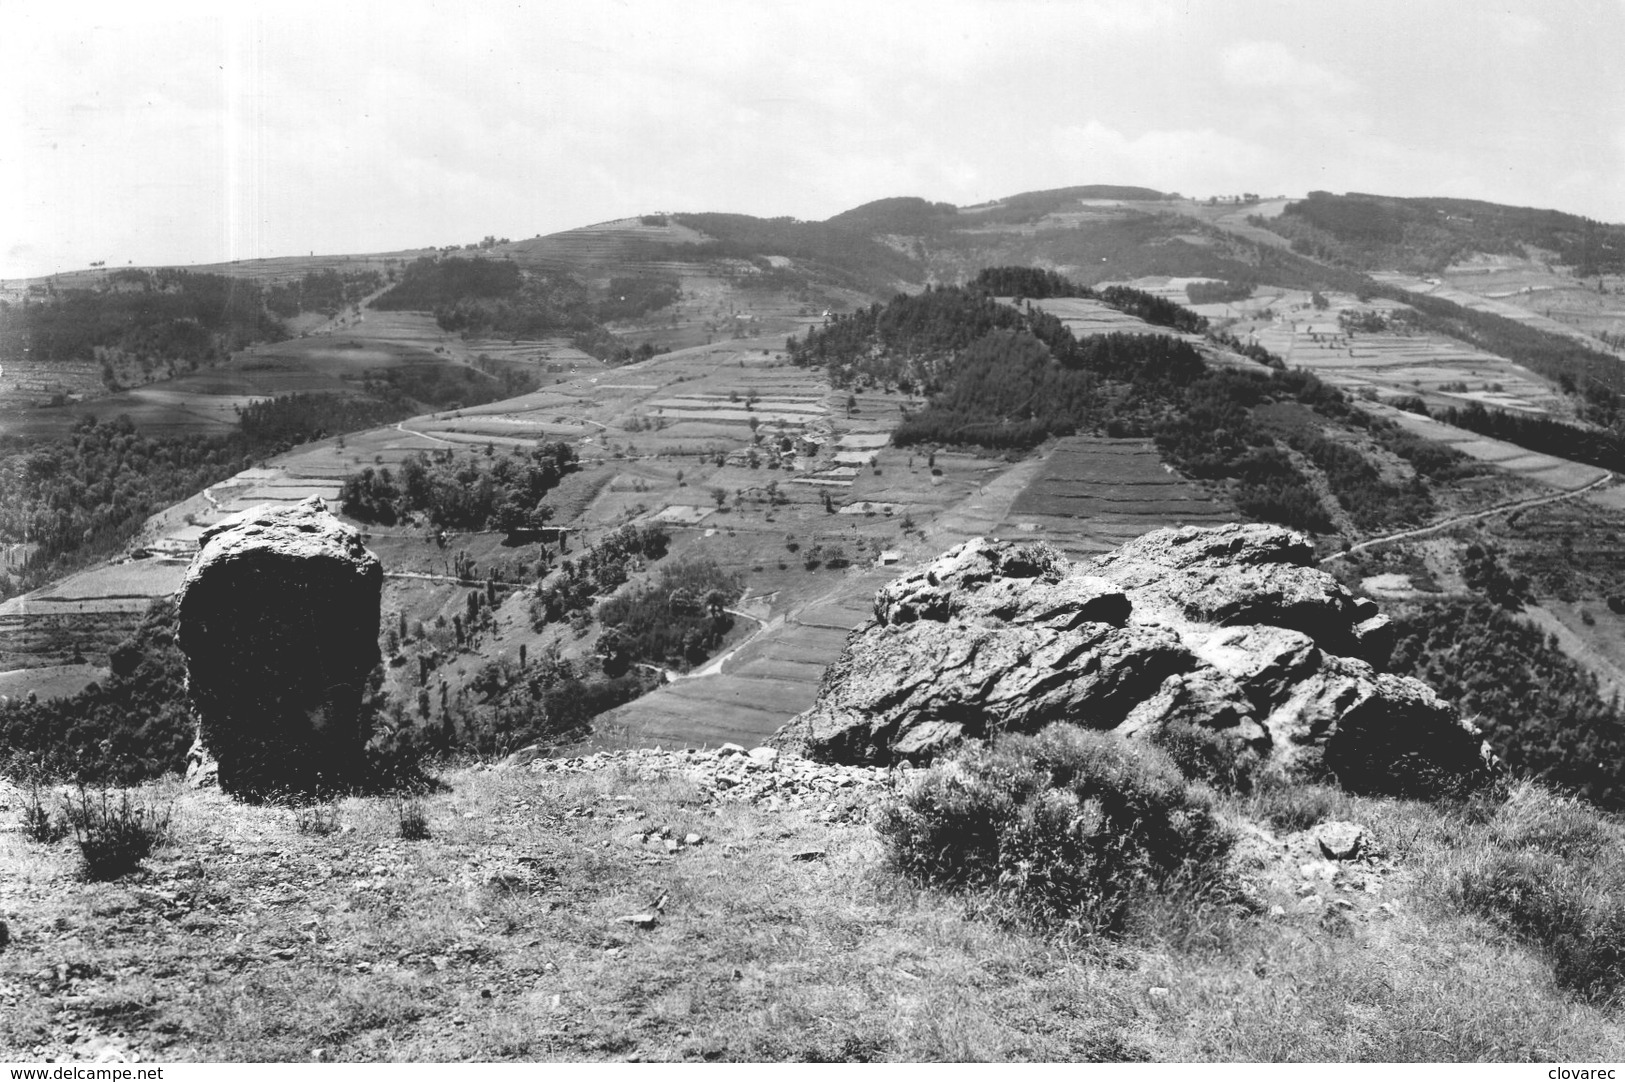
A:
[732,775]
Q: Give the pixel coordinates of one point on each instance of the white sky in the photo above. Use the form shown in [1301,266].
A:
[158,132]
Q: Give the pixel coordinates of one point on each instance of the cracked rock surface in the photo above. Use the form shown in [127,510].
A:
[1231,630]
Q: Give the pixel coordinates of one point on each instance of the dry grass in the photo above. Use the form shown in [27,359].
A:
[500,937]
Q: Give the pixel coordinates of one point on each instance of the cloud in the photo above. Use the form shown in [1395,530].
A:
[1272,65]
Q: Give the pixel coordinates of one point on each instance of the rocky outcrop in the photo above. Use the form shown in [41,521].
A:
[278,619]
[1230,630]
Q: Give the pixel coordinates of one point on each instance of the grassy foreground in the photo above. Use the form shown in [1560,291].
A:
[779,933]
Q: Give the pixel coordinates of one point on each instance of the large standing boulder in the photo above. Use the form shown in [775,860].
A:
[279,625]
[1232,630]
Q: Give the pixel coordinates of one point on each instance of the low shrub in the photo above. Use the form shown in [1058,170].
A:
[1066,829]
[116,836]
[319,818]
[41,823]
[413,820]
[1209,756]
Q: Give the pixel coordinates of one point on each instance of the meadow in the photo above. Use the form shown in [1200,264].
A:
[629,909]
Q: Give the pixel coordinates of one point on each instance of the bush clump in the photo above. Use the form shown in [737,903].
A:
[412,818]
[116,836]
[1066,829]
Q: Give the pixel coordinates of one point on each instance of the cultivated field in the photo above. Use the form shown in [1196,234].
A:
[1095,493]
[1085,496]
[1531,293]
[1085,318]
[49,681]
[1393,365]
[1530,465]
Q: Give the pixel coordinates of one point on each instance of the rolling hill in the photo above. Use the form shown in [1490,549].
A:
[697,412]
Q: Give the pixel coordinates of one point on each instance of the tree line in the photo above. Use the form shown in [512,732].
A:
[325,291]
[85,496]
[1542,713]
[131,727]
[1543,434]
[185,316]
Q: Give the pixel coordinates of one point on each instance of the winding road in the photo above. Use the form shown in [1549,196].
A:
[1499,509]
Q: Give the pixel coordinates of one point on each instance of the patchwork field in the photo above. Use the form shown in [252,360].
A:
[1439,370]
[1530,293]
[748,459]
[1085,496]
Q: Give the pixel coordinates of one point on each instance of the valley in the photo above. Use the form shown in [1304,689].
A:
[767,467]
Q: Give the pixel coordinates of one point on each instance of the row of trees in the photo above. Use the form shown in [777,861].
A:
[274,424]
[1593,447]
[1156,310]
[419,388]
[1219,292]
[432,282]
[1034,283]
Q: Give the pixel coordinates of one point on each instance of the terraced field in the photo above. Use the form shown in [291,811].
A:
[1525,292]
[1084,317]
[775,674]
[1095,493]
[1439,370]
[1073,497]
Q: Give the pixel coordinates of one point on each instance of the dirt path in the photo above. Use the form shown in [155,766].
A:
[1499,509]
[414,432]
[426,577]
